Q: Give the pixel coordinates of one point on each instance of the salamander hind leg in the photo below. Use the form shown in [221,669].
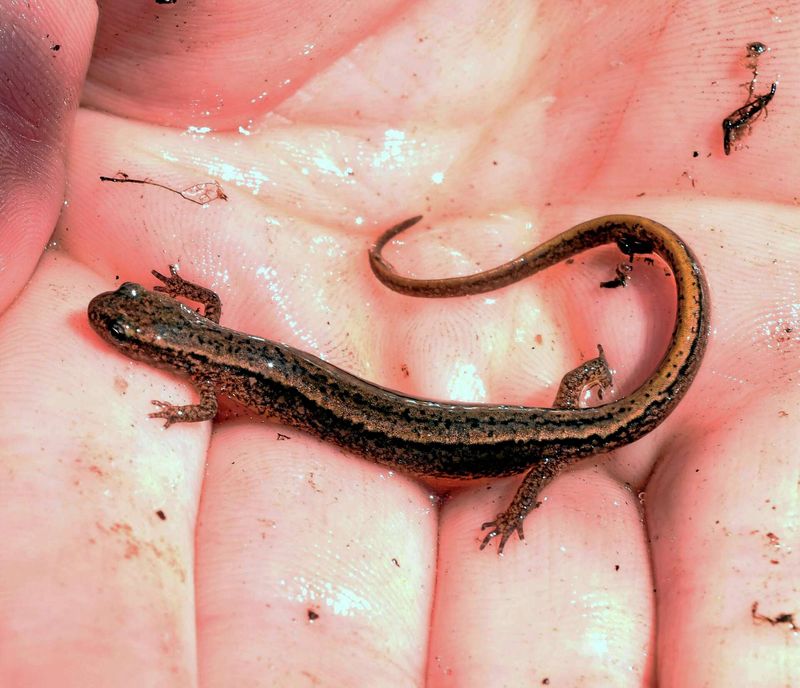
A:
[511,520]
[592,373]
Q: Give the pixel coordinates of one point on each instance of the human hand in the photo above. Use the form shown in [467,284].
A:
[228,555]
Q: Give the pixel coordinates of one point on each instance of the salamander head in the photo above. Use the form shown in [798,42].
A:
[142,324]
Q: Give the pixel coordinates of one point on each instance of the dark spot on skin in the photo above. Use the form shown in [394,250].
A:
[312,615]
[55,47]
[161,515]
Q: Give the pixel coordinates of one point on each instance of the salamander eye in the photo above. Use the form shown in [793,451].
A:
[117,330]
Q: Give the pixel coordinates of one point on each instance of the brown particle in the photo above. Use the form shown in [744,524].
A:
[781,618]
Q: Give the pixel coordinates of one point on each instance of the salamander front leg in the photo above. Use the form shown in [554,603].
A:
[175,285]
[191,413]
[593,373]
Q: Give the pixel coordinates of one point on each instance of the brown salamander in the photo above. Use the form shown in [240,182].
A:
[420,436]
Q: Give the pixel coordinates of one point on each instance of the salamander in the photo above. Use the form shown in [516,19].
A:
[420,436]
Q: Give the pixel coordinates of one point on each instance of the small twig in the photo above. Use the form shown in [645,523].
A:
[201,193]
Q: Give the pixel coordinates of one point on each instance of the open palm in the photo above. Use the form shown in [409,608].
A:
[246,553]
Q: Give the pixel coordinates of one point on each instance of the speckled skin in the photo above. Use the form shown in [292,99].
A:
[416,435]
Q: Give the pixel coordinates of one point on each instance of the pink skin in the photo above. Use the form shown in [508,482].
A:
[484,120]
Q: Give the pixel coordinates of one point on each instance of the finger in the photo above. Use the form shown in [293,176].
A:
[97,502]
[310,564]
[571,602]
[723,522]
[723,510]
[52,41]
[208,64]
